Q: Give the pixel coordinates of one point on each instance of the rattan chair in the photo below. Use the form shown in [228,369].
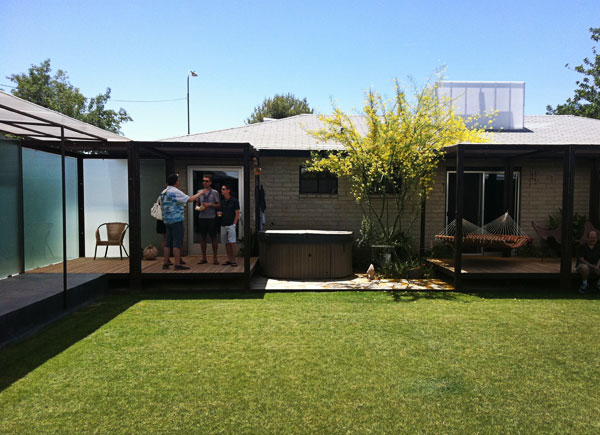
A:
[115,233]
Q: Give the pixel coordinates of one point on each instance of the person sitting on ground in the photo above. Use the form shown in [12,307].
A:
[230,208]
[173,201]
[588,261]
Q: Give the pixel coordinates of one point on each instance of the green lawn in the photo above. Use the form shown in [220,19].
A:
[310,362]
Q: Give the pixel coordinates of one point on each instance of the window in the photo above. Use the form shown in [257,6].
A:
[387,186]
[318,182]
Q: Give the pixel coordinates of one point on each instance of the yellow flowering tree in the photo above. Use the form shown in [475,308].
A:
[392,166]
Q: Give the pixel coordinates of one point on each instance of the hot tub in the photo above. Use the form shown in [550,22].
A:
[305,254]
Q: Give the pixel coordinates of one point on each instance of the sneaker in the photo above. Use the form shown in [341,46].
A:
[181,267]
[582,290]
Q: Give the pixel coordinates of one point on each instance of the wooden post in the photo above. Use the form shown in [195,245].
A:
[21,212]
[64,213]
[135,221]
[80,206]
[567,218]
[459,206]
[594,193]
[247,229]
[423,220]
[509,189]
[257,199]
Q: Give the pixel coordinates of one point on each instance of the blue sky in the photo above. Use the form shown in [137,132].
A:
[321,50]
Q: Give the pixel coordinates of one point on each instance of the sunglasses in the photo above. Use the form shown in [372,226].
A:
[206,181]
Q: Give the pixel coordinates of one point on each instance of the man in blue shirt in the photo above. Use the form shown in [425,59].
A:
[173,202]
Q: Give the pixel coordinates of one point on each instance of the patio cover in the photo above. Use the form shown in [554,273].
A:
[23,118]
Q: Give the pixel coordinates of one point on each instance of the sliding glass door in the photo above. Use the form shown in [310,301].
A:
[483,196]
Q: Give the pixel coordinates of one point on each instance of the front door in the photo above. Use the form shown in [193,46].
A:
[220,175]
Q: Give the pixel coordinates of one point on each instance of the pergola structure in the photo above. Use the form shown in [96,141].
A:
[508,154]
[46,130]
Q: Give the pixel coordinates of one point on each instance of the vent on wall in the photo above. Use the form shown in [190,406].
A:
[504,100]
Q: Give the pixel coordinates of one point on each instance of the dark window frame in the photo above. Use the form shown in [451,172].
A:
[316,183]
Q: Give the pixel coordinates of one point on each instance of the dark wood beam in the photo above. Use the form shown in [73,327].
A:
[135,221]
[458,237]
[509,189]
[567,218]
[423,221]
[247,229]
[64,215]
[80,207]
[21,212]
[594,203]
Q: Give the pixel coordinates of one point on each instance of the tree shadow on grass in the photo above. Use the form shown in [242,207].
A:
[201,288]
[20,358]
[541,289]
[412,296]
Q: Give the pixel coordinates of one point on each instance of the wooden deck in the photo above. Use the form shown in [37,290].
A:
[482,267]
[118,267]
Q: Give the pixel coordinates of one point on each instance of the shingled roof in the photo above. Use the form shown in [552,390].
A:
[292,133]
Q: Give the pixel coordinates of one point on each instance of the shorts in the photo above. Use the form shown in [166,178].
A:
[580,266]
[207,227]
[174,235]
[228,234]
[160,227]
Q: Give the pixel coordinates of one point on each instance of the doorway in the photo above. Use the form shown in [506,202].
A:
[220,175]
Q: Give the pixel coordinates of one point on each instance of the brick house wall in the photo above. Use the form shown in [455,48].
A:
[540,196]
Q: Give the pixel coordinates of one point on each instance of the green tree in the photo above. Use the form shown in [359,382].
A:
[57,93]
[280,106]
[393,165]
[586,101]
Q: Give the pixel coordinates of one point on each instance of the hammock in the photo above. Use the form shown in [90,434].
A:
[501,233]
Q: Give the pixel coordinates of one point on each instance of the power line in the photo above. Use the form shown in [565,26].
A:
[121,101]
[146,101]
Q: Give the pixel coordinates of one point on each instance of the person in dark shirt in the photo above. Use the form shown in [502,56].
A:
[230,207]
[588,261]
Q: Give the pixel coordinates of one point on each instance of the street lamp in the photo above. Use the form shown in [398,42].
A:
[193,74]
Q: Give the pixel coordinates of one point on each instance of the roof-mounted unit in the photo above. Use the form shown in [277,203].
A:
[503,102]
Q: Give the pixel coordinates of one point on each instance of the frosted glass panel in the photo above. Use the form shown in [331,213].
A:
[42,208]
[105,200]
[72,208]
[152,182]
[9,198]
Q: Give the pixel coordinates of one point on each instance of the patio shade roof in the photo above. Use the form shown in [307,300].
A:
[23,118]
[502,151]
